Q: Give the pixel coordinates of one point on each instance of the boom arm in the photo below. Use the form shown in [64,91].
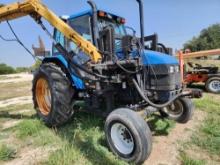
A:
[36,9]
[205,53]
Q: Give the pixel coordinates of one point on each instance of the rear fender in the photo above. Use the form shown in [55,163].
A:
[60,61]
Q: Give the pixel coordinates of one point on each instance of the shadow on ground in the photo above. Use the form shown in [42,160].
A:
[86,133]
[197,86]
[7,115]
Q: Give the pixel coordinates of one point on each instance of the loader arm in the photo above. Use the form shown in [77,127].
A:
[35,8]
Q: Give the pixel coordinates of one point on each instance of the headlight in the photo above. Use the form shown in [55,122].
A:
[172,69]
[177,69]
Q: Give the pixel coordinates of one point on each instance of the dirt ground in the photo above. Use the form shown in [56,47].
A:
[14,78]
[165,148]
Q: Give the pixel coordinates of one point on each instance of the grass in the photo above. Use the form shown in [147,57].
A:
[8,78]
[3,77]
[80,142]
[208,104]
[29,128]
[83,142]
[15,107]
[12,90]
[186,160]
[160,126]
[207,136]
[7,153]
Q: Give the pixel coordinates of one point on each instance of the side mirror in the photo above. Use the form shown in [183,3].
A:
[40,51]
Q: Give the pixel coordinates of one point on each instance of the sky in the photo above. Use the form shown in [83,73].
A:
[175,21]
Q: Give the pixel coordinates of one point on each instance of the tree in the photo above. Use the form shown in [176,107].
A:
[5,69]
[36,65]
[209,38]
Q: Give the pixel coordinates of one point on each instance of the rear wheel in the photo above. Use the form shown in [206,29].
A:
[181,110]
[128,135]
[52,95]
[213,85]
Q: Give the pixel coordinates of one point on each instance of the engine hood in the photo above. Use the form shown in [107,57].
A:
[157,58]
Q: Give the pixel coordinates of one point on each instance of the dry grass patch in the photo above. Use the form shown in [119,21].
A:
[12,90]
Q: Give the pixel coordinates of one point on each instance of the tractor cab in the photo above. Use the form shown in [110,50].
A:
[83,24]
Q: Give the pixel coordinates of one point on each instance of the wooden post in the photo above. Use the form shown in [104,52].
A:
[181,61]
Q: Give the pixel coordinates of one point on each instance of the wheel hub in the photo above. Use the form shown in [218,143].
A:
[175,109]
[122,139]
[43,96]
[215,85]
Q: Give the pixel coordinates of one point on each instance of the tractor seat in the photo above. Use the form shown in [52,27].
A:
[210,70]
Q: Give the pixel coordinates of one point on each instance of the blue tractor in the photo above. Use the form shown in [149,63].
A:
[131,77]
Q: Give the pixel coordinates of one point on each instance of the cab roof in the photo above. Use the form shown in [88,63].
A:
[89,12]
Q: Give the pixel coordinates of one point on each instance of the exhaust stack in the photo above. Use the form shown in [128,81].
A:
[141,13]
[94,22]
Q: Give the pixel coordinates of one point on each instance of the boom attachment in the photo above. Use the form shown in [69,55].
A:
[36,10]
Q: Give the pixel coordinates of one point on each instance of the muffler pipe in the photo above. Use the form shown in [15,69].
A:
[141,15]
[94,22]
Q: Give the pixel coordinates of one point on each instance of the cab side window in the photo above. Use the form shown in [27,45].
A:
[59,37]
[82,26]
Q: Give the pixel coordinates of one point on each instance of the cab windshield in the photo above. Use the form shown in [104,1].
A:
[119,28]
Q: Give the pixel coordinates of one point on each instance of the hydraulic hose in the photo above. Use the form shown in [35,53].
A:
[150,102]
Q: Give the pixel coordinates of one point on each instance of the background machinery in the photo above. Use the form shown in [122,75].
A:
[196,73]
[96,61]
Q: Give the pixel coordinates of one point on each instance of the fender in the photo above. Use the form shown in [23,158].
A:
[60,61]
[214,75]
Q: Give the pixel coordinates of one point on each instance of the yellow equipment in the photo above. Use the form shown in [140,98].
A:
[36,10]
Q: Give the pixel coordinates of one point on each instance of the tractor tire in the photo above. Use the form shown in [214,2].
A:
[180,111]
[52,95]
[213,85]
[128,135]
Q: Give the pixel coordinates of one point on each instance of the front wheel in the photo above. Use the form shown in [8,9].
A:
[181,110]
[128,135]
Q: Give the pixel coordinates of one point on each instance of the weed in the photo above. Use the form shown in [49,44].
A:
[208,135]
[160,126]
[29,128]
[6,152]
[186,160]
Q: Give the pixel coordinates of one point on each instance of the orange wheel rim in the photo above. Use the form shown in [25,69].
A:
[43,96]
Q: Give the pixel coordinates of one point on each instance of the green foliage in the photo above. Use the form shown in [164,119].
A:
[6,152]
[208,39]
[208,134]
[83,142]
[36,65]
[22,69]
[208,104]
[29,128]
[186,160]
[5,69]
[160,126]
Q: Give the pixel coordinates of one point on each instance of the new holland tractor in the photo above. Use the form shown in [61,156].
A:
[95,60]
